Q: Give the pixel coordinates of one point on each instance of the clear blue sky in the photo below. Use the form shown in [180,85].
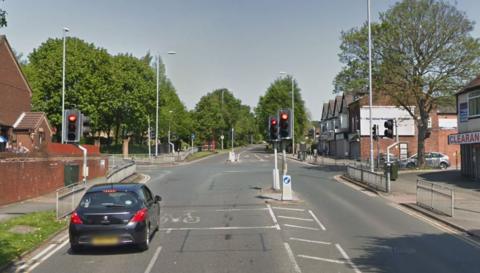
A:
[237,44]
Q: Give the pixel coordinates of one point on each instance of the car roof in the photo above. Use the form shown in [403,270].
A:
[115,186]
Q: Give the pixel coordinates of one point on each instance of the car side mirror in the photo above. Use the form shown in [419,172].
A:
[157,198]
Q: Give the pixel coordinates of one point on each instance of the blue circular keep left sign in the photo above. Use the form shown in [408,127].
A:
[287,179]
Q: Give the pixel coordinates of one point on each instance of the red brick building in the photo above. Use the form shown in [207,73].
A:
[15,93]
[442,123]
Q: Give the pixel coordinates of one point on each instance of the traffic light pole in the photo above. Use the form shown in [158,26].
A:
[276,176]
[284,163]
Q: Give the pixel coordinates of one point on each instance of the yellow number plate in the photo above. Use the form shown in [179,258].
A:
[104,241]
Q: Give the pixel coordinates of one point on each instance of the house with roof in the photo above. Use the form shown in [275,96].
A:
[19,127]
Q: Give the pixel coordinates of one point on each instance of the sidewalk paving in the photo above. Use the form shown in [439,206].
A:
[467,194]
[42,203]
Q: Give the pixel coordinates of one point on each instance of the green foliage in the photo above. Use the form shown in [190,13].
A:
[3,17]
[117,92]
[423,53]
[214,118]
[13,244]
[278,96]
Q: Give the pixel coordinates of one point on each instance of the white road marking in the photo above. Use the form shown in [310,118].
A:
[321,259]
[273,216]
[280,208]
[259,158]
[294,226]
[48,255]
[295,218]
[145,179]
[220,228]
[168,231]
[240,209]
[349,261]
[310,241]
[292,258]
[35,259]
[316,220]
[153,260]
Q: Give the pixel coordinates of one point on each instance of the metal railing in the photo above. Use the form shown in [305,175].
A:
[119,173]
[434,197]
[371,179]
[68,198]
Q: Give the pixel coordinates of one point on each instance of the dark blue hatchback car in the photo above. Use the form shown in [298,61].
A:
[115,214]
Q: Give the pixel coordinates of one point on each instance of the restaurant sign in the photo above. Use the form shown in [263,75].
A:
[465,138]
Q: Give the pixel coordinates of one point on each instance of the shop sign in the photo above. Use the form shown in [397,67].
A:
[463,113]
[465,138]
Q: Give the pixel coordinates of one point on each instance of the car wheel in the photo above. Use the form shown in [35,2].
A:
[144,246]
[443,165]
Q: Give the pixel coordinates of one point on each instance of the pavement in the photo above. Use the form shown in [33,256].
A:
[44,202]
[215,218]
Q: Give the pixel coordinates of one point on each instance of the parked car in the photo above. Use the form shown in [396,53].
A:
[115,214]
[432,159]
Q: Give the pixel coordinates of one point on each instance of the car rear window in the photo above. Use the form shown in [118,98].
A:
[112,198]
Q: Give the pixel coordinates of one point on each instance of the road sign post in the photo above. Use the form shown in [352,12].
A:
[287,188]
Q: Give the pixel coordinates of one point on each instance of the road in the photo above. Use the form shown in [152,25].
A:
[216,218]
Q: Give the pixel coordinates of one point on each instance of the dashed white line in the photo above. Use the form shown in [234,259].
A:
[273,217]
[259,158]
[168,231]
[292,258]
[309,241]
[316,220]
[349,261]
[294,226]
[291,209]
[321,259]
[295,218]
[219,228]
[153,260]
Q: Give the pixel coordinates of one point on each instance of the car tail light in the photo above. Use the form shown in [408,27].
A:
[140,216]
[75,219]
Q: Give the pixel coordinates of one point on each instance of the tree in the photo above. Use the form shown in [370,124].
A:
[278,96]
[214,117]
[3,17]
[88,80]
[425,53]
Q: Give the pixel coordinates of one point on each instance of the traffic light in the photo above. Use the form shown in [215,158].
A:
[72,125]
[273,128]
[388,128]
[375,132]
[285,124]
[85,125]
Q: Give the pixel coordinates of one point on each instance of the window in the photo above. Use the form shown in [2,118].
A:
[474,104]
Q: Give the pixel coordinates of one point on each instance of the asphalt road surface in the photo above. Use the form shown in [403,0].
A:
[216,218]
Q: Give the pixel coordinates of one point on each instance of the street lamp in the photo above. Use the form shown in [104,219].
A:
[157,104]
[169,120]
[293,113]
[370,86]
[65,30]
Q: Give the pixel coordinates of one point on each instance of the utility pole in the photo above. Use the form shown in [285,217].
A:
[149,140]
[370,85]
[65,30]
[156,115]
[293,119]
[223,120]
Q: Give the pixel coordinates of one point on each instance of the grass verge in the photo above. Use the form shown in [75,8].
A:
[199,155]
[13,245]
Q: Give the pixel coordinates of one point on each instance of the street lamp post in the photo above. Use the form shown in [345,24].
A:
[370,86]
[223,120]
[157,104]
[169,120]
[65,30]
[293,114]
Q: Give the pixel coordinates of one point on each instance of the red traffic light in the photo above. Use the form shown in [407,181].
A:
[273,122]
[72,118]
[284,116]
